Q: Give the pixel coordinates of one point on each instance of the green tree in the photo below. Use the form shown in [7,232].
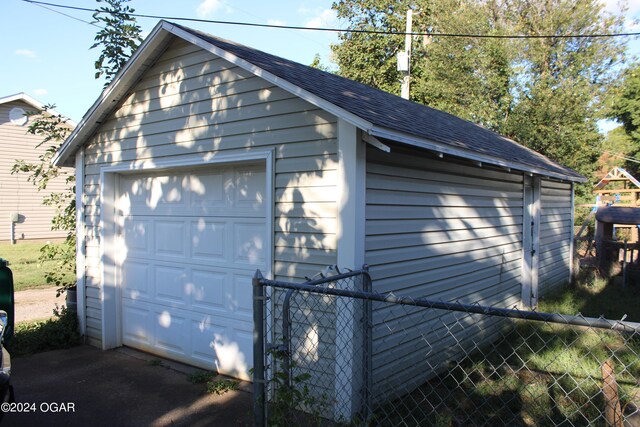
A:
[617,149]
[545,93]
[119,37]
[625,108]
[464,76]
[54,128]
[561,81]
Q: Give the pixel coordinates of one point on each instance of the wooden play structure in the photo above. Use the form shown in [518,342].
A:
[613,243]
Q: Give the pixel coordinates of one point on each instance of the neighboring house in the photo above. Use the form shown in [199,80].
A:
[20,200]
[205,160]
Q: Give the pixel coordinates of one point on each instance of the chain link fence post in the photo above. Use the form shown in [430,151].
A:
[259,398]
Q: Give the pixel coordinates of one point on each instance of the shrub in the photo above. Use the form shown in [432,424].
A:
[58,333]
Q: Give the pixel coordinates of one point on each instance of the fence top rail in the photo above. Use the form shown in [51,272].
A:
[316,282]
[514,313]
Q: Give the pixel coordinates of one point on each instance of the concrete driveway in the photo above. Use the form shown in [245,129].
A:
[91,387]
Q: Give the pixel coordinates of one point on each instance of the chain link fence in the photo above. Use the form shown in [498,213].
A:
[333,352]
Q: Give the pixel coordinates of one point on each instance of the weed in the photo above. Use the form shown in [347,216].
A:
[57,333]
[293,401]
[201,377]
[220,387]
[155,362]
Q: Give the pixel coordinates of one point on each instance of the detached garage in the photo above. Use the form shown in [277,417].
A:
[205,160]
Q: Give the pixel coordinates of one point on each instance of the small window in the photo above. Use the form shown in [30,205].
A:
[18,117]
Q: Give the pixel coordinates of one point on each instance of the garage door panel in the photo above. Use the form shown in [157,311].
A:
[169,331]
[208,240]
[135,279]
[249,244]
[202,343]
[207,191]
[137,324]
[249,189]
[233,353]
[239,189]
[169,285]
[169,239]
[209,289]
[139,237]
[191,243]
[242,302]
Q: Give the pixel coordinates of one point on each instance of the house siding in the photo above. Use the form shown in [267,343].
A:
[556,232]
[193,104]
[17,195]
[441,230]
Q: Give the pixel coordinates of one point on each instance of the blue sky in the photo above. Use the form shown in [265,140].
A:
[46,54]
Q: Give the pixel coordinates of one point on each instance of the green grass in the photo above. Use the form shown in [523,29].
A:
[595,297]
[28,272]
[538,373]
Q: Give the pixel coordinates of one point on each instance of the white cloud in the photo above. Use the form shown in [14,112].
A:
[324,19]
[40,92]
[26,52]
[275,22]
[208,8]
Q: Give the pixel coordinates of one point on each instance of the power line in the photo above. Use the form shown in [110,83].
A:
[621,156]
[342,30]
[67,15]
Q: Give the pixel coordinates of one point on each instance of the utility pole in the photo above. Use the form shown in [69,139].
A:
[404,58]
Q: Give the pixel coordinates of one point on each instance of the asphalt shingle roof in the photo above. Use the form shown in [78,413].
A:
[389,111]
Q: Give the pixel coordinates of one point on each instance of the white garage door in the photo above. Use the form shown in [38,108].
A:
[190,243]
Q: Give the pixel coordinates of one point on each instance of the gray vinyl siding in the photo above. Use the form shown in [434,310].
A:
[441,230]
[16,193]
[556,232]
[191,103]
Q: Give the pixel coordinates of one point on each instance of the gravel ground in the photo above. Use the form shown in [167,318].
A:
[36,304]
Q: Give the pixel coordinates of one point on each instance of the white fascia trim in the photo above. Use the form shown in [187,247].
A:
[283,84]
[34,103]
[465,154]
[111,94]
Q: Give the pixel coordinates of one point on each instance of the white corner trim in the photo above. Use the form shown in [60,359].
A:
[81,244]
[350,235]
[109,295]
[535,261]
[572,243]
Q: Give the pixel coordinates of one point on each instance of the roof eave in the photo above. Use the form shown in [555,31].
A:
[468,154]
[156,40]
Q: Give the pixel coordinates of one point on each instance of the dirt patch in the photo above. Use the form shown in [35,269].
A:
[36,304]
